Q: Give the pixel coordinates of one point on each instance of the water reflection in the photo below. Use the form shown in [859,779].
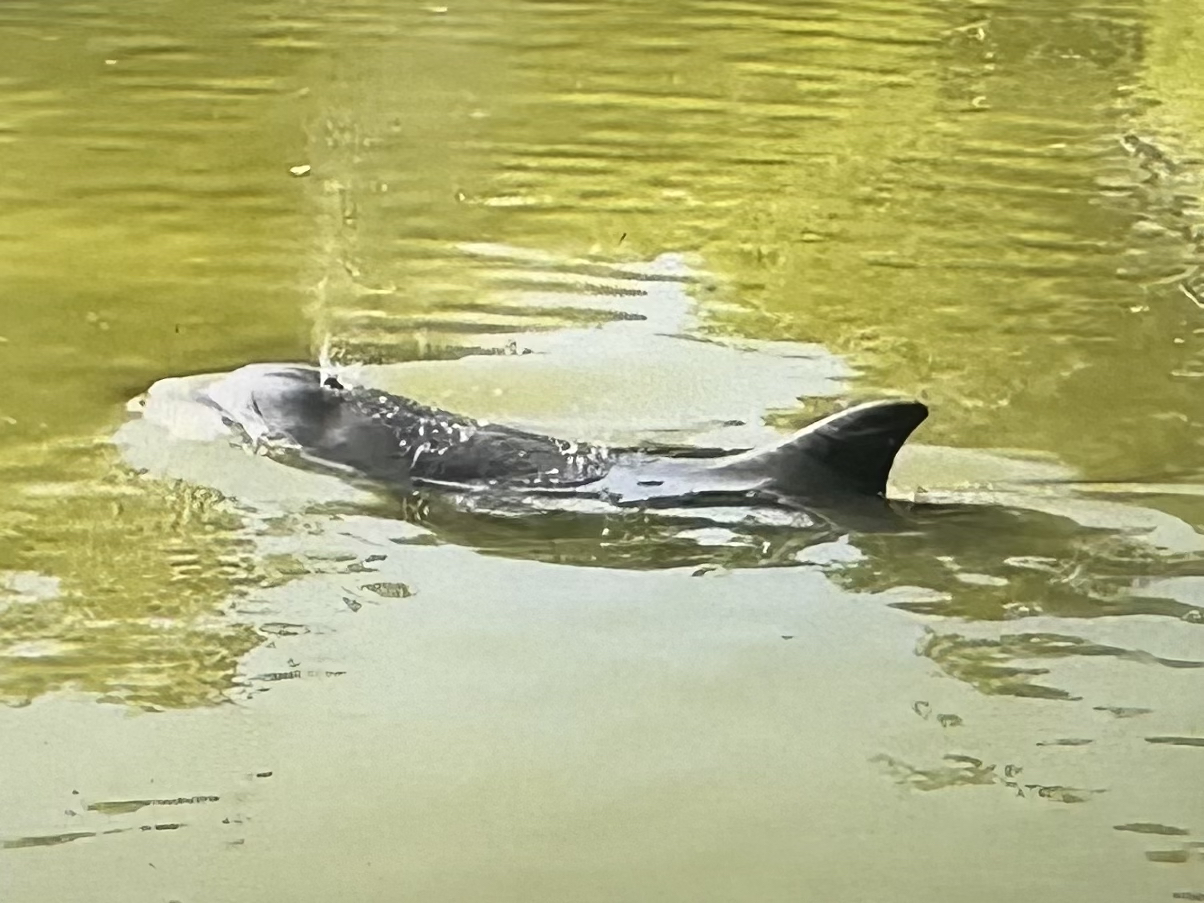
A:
[139,611]
[983,562]
[979,563]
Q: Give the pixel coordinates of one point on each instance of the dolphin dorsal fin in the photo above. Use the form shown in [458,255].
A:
[850,451]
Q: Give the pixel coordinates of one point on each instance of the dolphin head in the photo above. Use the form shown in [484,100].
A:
[273,402]
[297,408]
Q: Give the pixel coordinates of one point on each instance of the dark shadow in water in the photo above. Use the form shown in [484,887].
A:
[989,664]
[139,611]
[977,563]
[959,770]
[980,562]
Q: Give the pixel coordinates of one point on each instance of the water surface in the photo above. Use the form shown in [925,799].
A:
[689,222]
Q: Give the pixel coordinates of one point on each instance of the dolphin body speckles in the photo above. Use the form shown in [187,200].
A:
[398,442]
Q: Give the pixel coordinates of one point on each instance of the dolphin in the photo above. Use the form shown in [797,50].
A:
[296,412]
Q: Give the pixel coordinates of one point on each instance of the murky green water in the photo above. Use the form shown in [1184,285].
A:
[706,222]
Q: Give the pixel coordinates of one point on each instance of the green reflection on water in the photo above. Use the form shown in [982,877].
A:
[946,195]
[991,206]
[145,574]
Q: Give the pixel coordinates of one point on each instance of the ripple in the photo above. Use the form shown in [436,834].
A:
[1197,742]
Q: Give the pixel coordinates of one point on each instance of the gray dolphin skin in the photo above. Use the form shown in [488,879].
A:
[393,440]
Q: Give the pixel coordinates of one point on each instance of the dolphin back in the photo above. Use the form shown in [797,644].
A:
[395,440]
[389,438]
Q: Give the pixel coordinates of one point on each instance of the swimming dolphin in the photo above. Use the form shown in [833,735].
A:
[396,441]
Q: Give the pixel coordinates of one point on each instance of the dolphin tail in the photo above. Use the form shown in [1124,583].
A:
[848,452]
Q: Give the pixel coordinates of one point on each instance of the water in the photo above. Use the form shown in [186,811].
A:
[706,222]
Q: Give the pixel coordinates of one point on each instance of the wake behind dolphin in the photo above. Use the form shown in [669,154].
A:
[396,441]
